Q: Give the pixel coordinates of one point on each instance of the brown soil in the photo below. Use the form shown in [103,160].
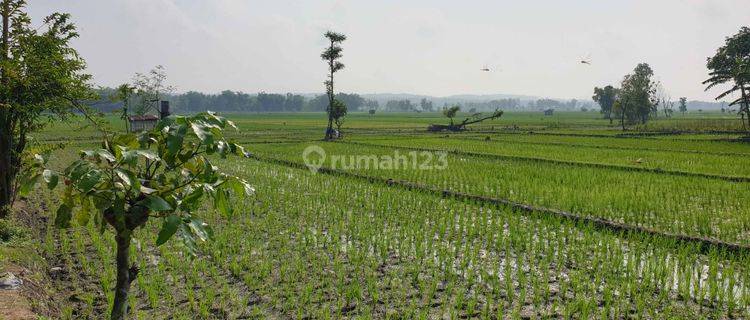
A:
[13,303]
[32,299]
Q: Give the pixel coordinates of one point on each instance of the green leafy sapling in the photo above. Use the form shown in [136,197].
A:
[164,174]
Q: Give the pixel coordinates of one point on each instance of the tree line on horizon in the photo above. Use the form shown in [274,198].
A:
[166,174]
[236,101]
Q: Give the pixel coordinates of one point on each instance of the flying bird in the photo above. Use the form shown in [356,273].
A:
[586,60]
[485,68]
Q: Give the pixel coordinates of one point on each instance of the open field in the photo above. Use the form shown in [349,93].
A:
[333,245]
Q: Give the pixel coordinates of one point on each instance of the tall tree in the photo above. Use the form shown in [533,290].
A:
[731,63]
[605,97]
[331,55]
[425,104]
[149,89]
[637,98]
[41,74]
[683,105]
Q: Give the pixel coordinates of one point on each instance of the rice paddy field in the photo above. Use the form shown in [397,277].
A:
[531,217]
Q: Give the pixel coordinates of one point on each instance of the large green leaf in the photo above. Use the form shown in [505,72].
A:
[106,155]
[188,240]
[148,154]
[203,132]
[27,183]
[103,200]
[168,229]
[155,203]
[128,178]
[174,143]
[129,140]
[222,203]
[192,200]
[89,180]
[239,186]
[200,229]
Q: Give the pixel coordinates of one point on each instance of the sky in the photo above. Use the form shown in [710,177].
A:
[429,47]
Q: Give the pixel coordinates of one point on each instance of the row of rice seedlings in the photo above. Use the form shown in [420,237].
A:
[730,165]
[700,146]
[675,143]
[385,257]
[676,204]
[318,246]
[170,284]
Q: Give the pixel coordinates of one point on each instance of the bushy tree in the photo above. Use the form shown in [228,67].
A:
[425,104]
[403,105]
[352,101]
[637,97]
[451,112]
[41,76]
[731,64]
[331,55]
[163,174]
[683,105]
[339,111]
[605,97]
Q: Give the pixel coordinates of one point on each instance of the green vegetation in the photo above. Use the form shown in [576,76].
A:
[731,64]
[336,108]
[41,74]
[533,215]
[162,174]
[320,245]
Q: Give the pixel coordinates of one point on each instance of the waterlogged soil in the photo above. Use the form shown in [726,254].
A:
[446,302]
[78,292]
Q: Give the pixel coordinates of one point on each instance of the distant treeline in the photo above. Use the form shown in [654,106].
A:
[234,101]
[231,101]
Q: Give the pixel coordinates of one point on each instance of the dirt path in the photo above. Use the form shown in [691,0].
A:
[13,303]
[32,299]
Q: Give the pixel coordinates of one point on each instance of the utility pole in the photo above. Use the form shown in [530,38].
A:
[164,110]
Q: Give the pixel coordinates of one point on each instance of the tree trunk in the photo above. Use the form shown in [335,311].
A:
[331,96]
[6,170]
[745,102]
[7,173]
[125,275]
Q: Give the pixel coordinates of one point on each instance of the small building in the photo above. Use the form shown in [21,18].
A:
[142,123]
[549,112]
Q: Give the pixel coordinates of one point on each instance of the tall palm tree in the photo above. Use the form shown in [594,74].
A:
[731,64]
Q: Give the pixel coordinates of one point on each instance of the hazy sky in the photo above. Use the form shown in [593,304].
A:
[423,47]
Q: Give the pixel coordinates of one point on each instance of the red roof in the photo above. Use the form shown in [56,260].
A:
[148,117]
